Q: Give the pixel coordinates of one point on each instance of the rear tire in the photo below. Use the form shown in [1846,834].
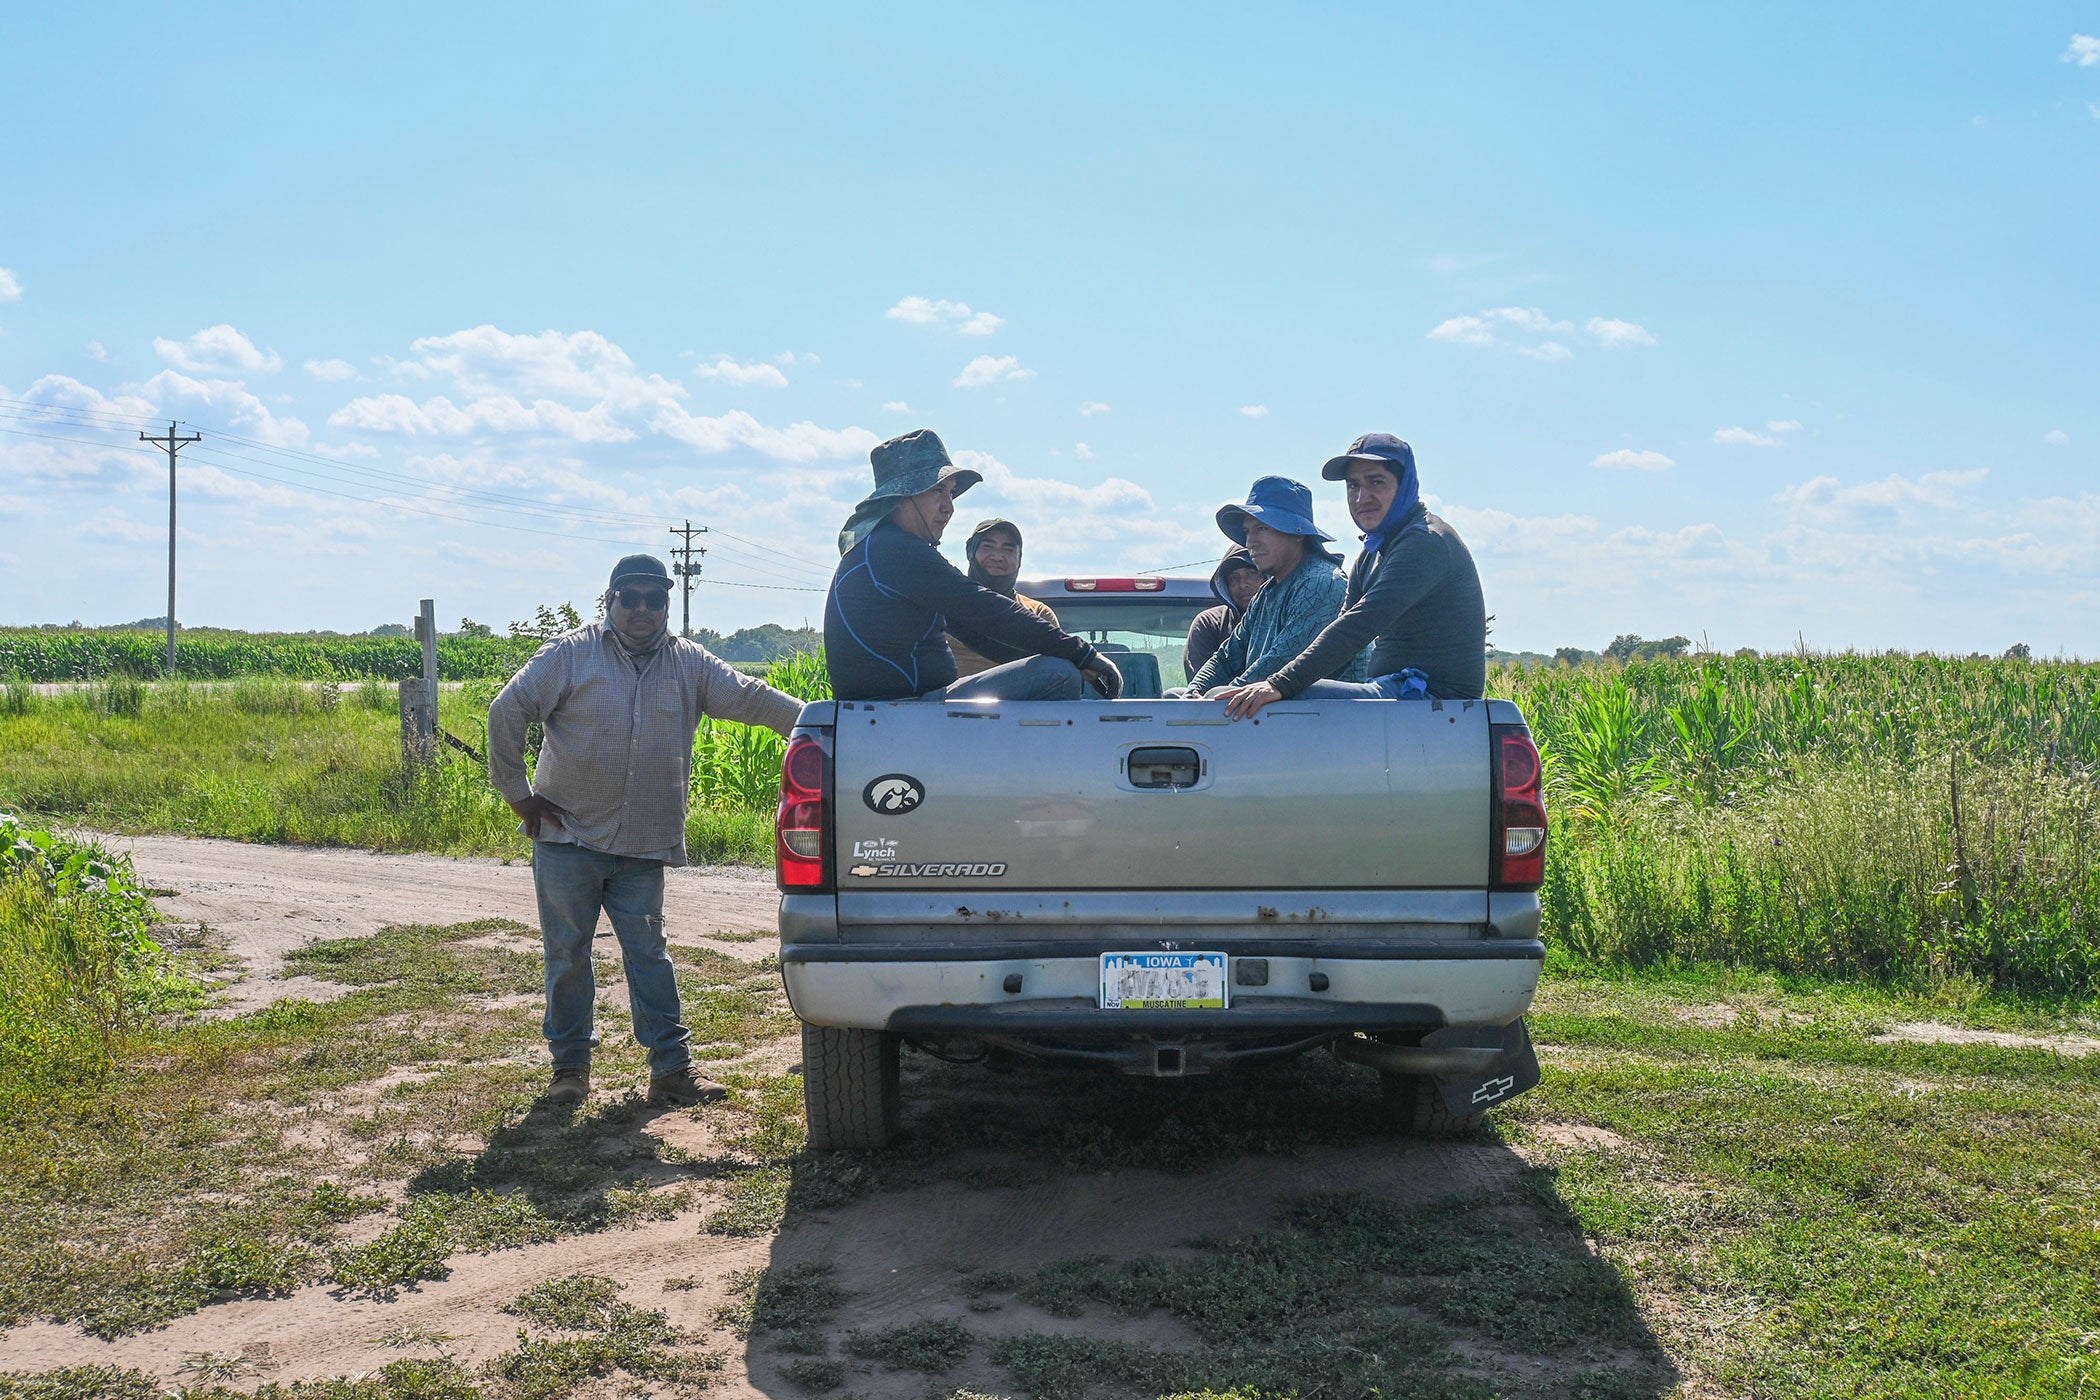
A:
[849,1088]
[1412,1102]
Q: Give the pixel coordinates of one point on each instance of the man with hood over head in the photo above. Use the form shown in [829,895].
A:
[894,599]
[1414,597]
[1234,582]
[992,559]
[1303,594]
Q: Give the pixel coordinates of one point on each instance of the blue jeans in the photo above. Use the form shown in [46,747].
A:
[573,883]
[1393,687]
[1033,678]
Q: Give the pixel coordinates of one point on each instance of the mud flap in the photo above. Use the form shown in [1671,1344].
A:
[1518,1070]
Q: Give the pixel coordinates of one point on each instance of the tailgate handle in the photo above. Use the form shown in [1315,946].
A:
[1163,767]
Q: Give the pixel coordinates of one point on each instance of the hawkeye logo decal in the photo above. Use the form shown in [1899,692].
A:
[893,794]
[940,870]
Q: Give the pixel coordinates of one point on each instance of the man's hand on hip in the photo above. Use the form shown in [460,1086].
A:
[535,809]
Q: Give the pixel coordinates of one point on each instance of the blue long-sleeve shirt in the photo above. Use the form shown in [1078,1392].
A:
[893,600]
[1282,621]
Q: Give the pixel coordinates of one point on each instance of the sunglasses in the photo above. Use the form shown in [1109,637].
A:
[650,599]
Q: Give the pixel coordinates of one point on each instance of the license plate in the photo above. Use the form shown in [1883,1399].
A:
[1162,981]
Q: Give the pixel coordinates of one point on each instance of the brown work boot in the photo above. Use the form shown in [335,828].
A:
[684,1087]
[568,1087]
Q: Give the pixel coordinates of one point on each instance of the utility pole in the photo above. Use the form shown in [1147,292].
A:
[171,444]
[687,569]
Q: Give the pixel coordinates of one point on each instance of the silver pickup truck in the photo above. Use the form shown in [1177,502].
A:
[1145,886]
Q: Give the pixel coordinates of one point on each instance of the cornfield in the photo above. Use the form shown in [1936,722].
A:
[42,655]
[1907,818]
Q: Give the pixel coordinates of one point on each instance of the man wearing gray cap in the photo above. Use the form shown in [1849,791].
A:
[618,702]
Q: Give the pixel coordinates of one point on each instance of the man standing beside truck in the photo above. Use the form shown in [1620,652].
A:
[1414,598]
[1303,593]
[618,702]
[894,598]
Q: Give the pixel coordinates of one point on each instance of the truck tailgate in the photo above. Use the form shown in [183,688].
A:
[1145,795]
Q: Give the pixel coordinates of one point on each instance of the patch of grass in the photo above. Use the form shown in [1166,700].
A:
[591,1303]
[933,1345]
[815,1373]
[780,1298]
[258,761]
[82,1383]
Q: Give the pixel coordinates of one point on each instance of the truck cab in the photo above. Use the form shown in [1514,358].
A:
[1141,622]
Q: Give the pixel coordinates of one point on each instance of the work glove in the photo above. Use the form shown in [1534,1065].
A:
[1101,673]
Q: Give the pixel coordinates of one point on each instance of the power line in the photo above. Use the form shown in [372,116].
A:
[376,476]
[753,558]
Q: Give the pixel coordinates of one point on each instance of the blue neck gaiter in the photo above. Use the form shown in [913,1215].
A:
[1404,501]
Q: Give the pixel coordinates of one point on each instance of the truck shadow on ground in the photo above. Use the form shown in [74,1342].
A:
[1062,1234]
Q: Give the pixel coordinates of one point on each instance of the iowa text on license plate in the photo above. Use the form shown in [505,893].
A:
[1162,981]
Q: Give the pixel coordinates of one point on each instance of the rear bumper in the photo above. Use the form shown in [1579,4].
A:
[963,991]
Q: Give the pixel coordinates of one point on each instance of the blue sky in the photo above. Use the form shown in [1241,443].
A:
[1760,325]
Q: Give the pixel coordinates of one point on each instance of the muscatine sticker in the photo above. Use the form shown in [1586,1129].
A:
[942,870]
[893,794]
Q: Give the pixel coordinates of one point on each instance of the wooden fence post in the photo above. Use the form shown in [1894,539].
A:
[419,726]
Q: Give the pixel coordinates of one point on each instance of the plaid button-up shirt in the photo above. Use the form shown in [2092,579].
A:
[617,751]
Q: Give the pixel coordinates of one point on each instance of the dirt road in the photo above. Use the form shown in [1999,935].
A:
[918,1253]
[264,901]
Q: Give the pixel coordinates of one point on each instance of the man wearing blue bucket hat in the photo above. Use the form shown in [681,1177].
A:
[894,599]
[1414,597]
[1303,593]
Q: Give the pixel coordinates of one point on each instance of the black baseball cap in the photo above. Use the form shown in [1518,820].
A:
[640,568]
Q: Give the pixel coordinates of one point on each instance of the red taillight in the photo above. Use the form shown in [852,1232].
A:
[1520,810]
[1115,585]
[798,830]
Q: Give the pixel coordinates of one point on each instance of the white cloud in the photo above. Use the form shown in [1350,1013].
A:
[10,285]
[1626,459]
[487,362]
[986,370]
[1254,410]
[1528,318]
[495,413]
[791,359]
[1615,335]
[217,350]
[896,406]
[1463,330]
[331,371]
[2084,51]
[1743,437]
[227,402]
[1529,321]
[919,311]
[1783,425]
[1092,407]
[798,442]
[97,353]
[2056,437]
[728,371]
[1083,452]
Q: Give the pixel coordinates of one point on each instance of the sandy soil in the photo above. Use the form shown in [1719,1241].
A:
[901,1256]
[1933,1033]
